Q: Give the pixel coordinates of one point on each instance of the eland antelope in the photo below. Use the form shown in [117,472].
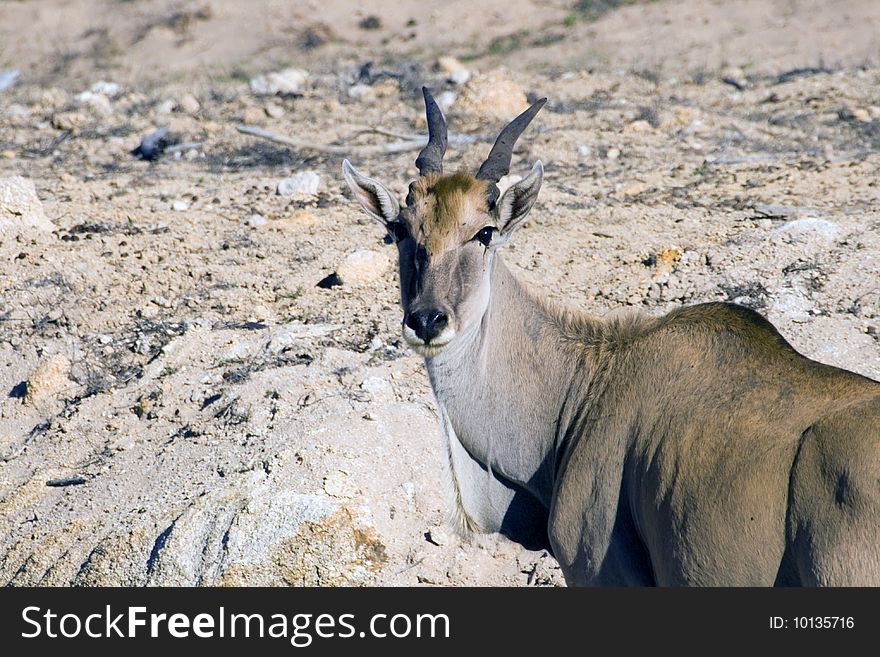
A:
[696,448]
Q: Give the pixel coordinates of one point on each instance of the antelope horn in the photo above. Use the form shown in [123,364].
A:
[497,165]
[430,159]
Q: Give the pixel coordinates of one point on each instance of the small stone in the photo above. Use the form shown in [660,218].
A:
[69,120]
[380,389]
[304,182]
[180,206]
[448,64]
[8,79]
[613,153]
[861,114]
[188,104]
[339,485]
[253,115]
[363,267]
[639,125]
[460,77]
[493,95]
[257,220]
[632,188]
[20,207]
[259,313]
[454,70]
[98,104]
[166,106]
[288,81]
[584,150]
[376,343]
[7,155]
[362,92]
[163,302]
[48,379]
[809,226]
[437,536]
[109,89]
[446,99]
[274,111]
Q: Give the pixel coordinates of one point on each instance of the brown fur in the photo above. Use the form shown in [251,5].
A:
[445,210]
[696,448]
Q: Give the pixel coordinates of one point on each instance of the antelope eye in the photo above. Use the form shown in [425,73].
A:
[398,230]
[484,236]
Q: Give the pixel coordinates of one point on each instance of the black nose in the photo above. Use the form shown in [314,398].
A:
[427,324]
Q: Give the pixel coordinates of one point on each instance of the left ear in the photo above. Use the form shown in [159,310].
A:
[513,207]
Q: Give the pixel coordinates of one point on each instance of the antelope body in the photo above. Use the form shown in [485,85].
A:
[696,448]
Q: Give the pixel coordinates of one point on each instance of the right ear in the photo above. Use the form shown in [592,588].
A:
[373,196]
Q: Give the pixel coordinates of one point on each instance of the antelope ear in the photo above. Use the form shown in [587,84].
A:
[514,205]
[373,196]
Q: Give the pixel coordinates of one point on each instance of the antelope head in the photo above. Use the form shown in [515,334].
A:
[449,231]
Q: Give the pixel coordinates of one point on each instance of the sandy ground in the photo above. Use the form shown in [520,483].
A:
[207,414]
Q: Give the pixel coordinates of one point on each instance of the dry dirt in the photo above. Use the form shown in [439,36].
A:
[181,403]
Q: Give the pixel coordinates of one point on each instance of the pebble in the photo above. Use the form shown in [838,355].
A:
[166,106]
[7,79]
[362,92]
[493,95]
[437,536]
[97,104]
[257,220]
[288,81]
[109,89]
[180,206]
[448,64]
[69,120]
[363,267]
[304,182]
[446,99]
[380,389]
[613,153]
[20,207]
[48,379]
[809,226]
[7,155]
[188,104]
[339,484]
[274,111]
[639,125]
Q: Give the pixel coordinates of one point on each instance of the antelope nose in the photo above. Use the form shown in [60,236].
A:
[427,324]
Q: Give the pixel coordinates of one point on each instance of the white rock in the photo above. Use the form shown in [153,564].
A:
[339,484]
[7,79]
[363,267]
[362,92]
[438,536]
[288,81]
[291,334]
[109,89]
[810,225]
[166,106]
[613,153]
[20,208]
[446,99]
[98,104]
[380,389]
[448,64]
[257,220]
[180,206]
[304,182]
[274,111]
[461,76]
[188,104]
[48,379]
